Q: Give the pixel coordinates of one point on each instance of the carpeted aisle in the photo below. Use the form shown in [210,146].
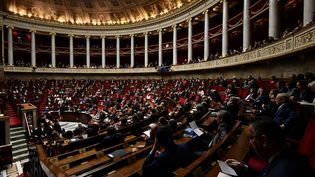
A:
[14,119]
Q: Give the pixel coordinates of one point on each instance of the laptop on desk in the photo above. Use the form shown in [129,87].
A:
[195,128]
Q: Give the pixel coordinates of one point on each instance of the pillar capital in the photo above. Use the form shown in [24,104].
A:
[205,12]
[10,27]
[189,20]
[52,33]
[117,36]
[87,36]
[70,35]
[32,30]
[103,37]
[160,30]
[131,35]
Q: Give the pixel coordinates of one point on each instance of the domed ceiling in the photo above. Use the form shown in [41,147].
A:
[94,12]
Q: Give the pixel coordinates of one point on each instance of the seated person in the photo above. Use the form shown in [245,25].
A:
[269,108]
[213,136]
[303,92]
[225,124]
[172,123]
[79,130]
[92,129]
[262,98]
[112,138]
[268,141]
[286,114]
[172,157]
[233,107]
[150,136]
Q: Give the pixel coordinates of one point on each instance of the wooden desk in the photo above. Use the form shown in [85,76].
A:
[75,157]
[27,106]
[128,170]
[26,110]
[208,122]
[93,152]
[135,167]
[118,161]
[196,165]
[88,165]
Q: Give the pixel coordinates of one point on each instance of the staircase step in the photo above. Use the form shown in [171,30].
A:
[12,133]
[19,141]
[19,146]
[16,137]
[20,157]
[19,152]
[16,129]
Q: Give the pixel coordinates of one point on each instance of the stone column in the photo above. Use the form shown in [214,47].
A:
[71,50]
[53,50]
[118,51]
[174,45]
[308,11]
[132,52]
[206,37]
[246,25]
[33,48]
[225,33]
[103,52]
[190,55]
[87,51]
[273,30]
[10,46]
[160,48]
[146,50]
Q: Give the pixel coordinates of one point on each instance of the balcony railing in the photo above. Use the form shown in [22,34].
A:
[301,40]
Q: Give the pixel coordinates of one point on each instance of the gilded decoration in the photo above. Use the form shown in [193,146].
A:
[289,44]
[305,38]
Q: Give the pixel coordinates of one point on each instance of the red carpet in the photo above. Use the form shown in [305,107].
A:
[14,120]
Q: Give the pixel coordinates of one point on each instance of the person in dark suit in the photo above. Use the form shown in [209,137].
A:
[164,163]
[286,114]
[303,93]
[225,124]
[112,138]
[269,143]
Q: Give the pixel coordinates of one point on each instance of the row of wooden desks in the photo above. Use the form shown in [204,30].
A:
[136,166]
[239,150]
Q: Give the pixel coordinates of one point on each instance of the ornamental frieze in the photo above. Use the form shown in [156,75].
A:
[305,38]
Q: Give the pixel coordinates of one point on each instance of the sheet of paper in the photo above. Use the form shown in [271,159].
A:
[198,131]
[193,125]
[223,175]
[226,169]
[147,133]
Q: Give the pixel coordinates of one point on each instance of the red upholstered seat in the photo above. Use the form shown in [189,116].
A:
[256,163]
[307,144]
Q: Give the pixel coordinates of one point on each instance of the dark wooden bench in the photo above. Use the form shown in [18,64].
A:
[93,153]
[239,151]
[196,165]
[133,161]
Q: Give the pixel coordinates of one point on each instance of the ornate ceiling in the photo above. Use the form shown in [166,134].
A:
[94,12]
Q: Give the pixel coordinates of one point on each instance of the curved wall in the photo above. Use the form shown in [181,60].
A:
[281,67]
